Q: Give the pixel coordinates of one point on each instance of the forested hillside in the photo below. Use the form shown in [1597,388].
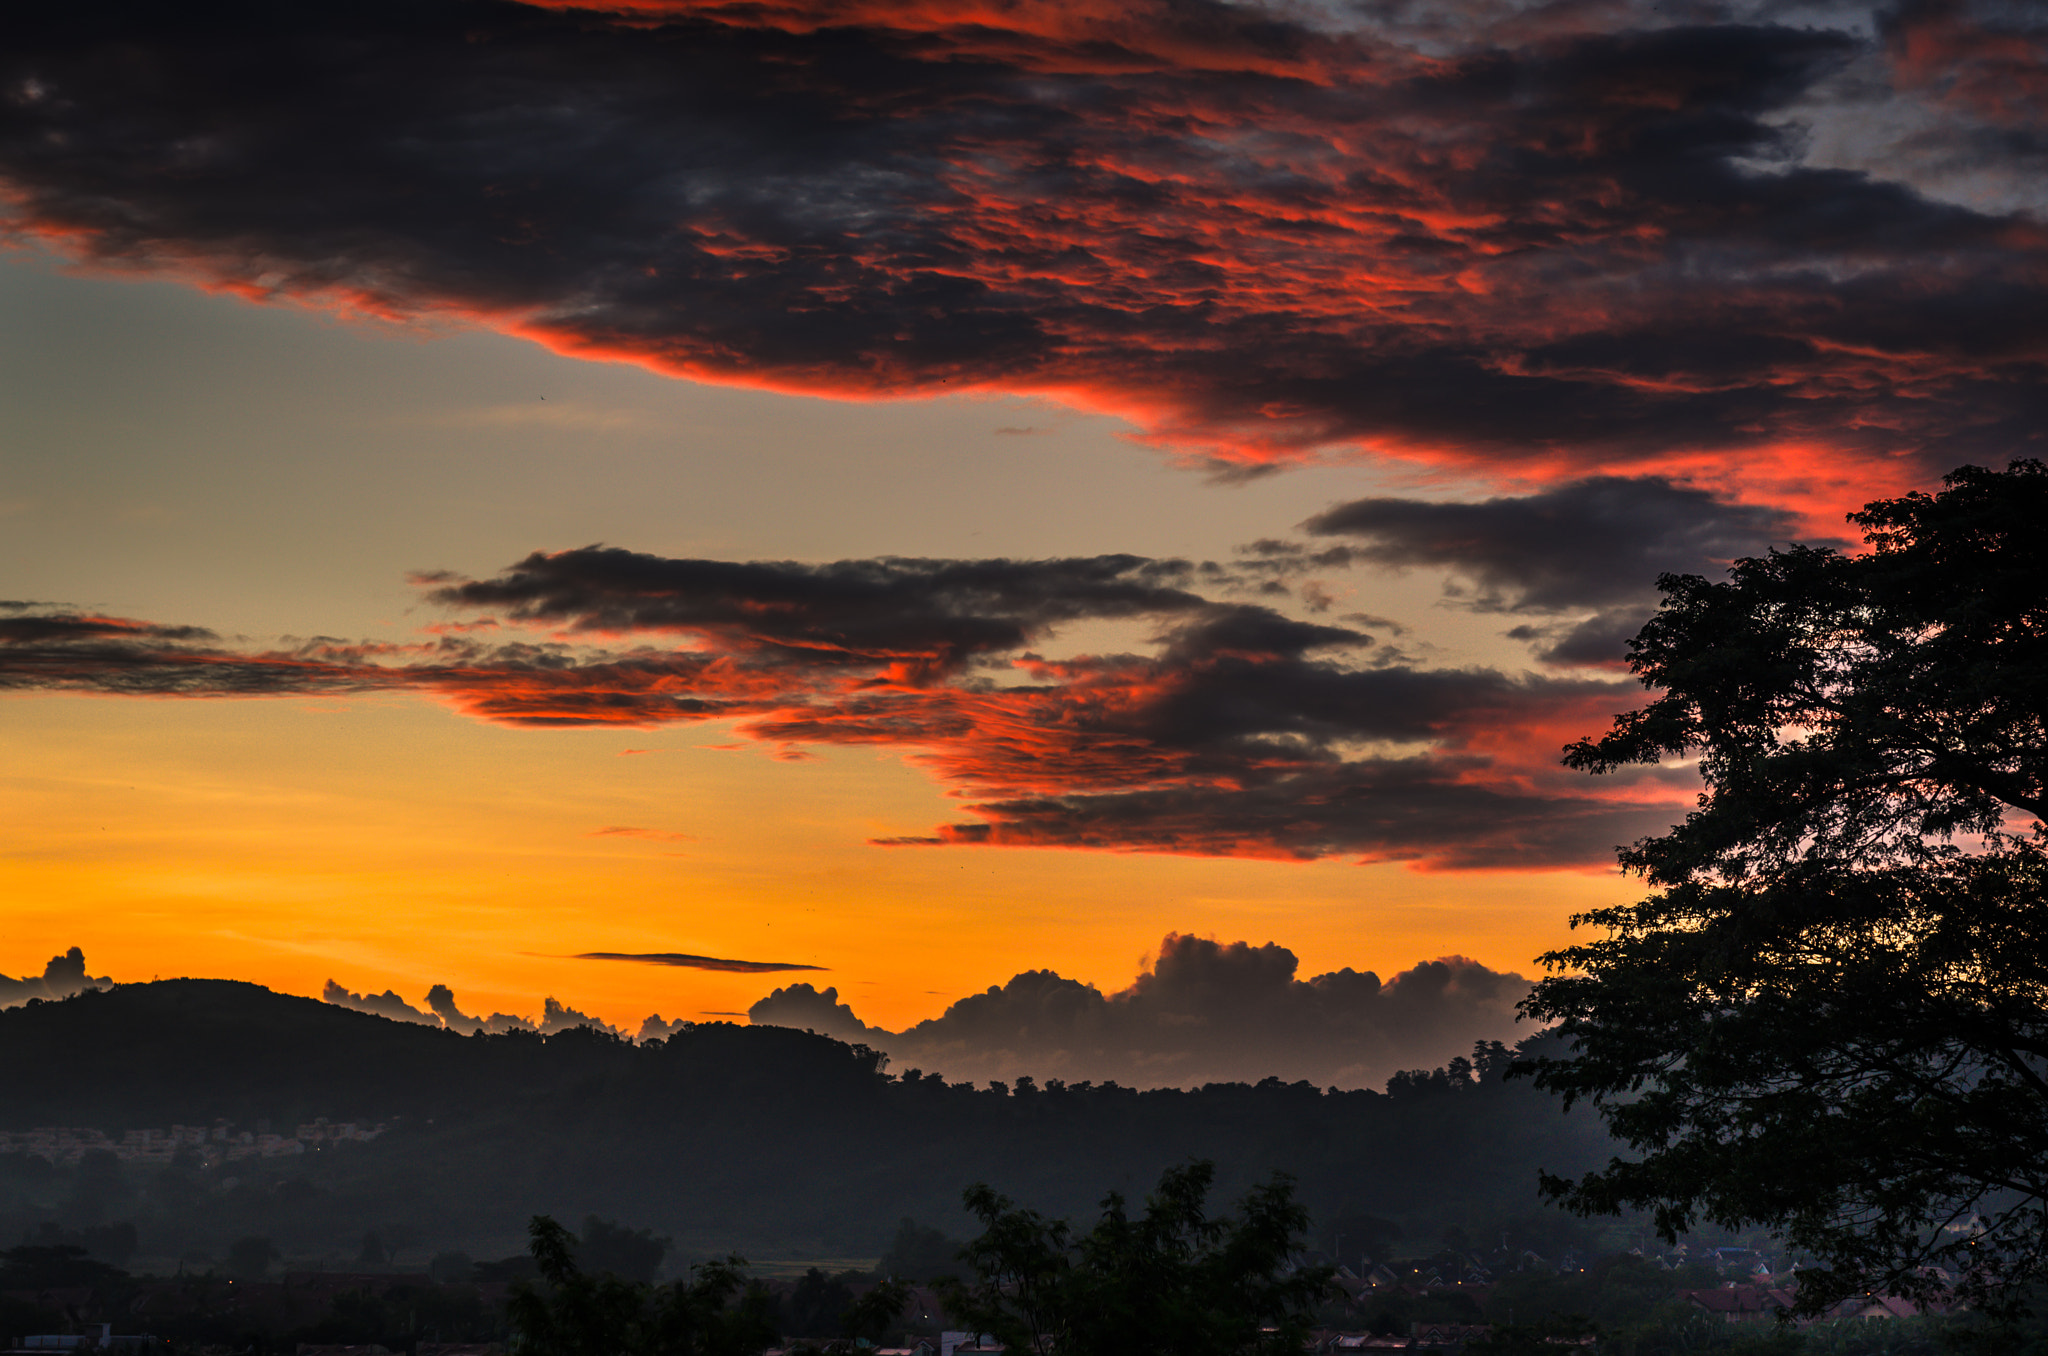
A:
[777,1142]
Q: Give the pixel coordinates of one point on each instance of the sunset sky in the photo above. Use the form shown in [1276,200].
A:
[932,491]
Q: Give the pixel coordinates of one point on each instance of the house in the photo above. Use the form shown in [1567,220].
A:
[1362,1341]
[1446,1336]
[1741,1303]
[1887,1306]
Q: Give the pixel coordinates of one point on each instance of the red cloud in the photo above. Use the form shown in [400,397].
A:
[1241,733]
[1535,252]
[1991,64]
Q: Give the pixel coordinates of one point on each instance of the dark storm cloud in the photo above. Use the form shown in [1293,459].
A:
[1202,1012]
[1236,730]
[1520,239]
[696,962]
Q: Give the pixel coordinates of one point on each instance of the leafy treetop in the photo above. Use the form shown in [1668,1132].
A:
[1832,1017]
[1172,1279]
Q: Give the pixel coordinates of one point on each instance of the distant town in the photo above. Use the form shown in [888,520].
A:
[219,1142]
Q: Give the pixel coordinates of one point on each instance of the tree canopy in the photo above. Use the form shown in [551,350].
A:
[1831,1017]
[573,1312]
[1173,1279]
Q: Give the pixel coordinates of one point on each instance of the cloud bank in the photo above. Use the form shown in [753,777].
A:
[442,1011]
[1202,1012]
[1237,731]
[1532,240]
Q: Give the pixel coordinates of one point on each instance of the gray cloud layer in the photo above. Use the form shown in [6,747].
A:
[1203,1012]
[1580,560]
[1587,543]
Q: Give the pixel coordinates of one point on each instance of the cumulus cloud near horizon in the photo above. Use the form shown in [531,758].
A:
[442,1011]
[64,976]
[1202,1012]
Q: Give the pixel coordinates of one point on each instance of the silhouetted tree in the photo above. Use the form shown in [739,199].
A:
[922,1252]
[250,1257]
[396,1237]
[98,1188]
[44,1266]
[1832,1018]
[876,1312]
[574,1313]
[630,1254]
[1173,1279]
[452,1266]
[818,1304]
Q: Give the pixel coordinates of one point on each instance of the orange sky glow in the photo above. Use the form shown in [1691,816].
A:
[929,492]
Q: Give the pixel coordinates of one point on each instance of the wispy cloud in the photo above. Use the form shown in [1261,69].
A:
[630,831]
[696,962]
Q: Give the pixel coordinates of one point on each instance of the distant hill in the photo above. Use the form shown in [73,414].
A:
[769,1139]
[198,1049]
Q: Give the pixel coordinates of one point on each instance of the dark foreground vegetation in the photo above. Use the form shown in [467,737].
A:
[1170,1275]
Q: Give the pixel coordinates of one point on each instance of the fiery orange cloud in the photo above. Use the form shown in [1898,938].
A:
[1242,732]
[1056,36]
[1532,248]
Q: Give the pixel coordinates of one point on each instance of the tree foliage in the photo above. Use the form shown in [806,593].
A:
[1171,1279]
[630,1254]
[1832,1016]
[576,1313]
